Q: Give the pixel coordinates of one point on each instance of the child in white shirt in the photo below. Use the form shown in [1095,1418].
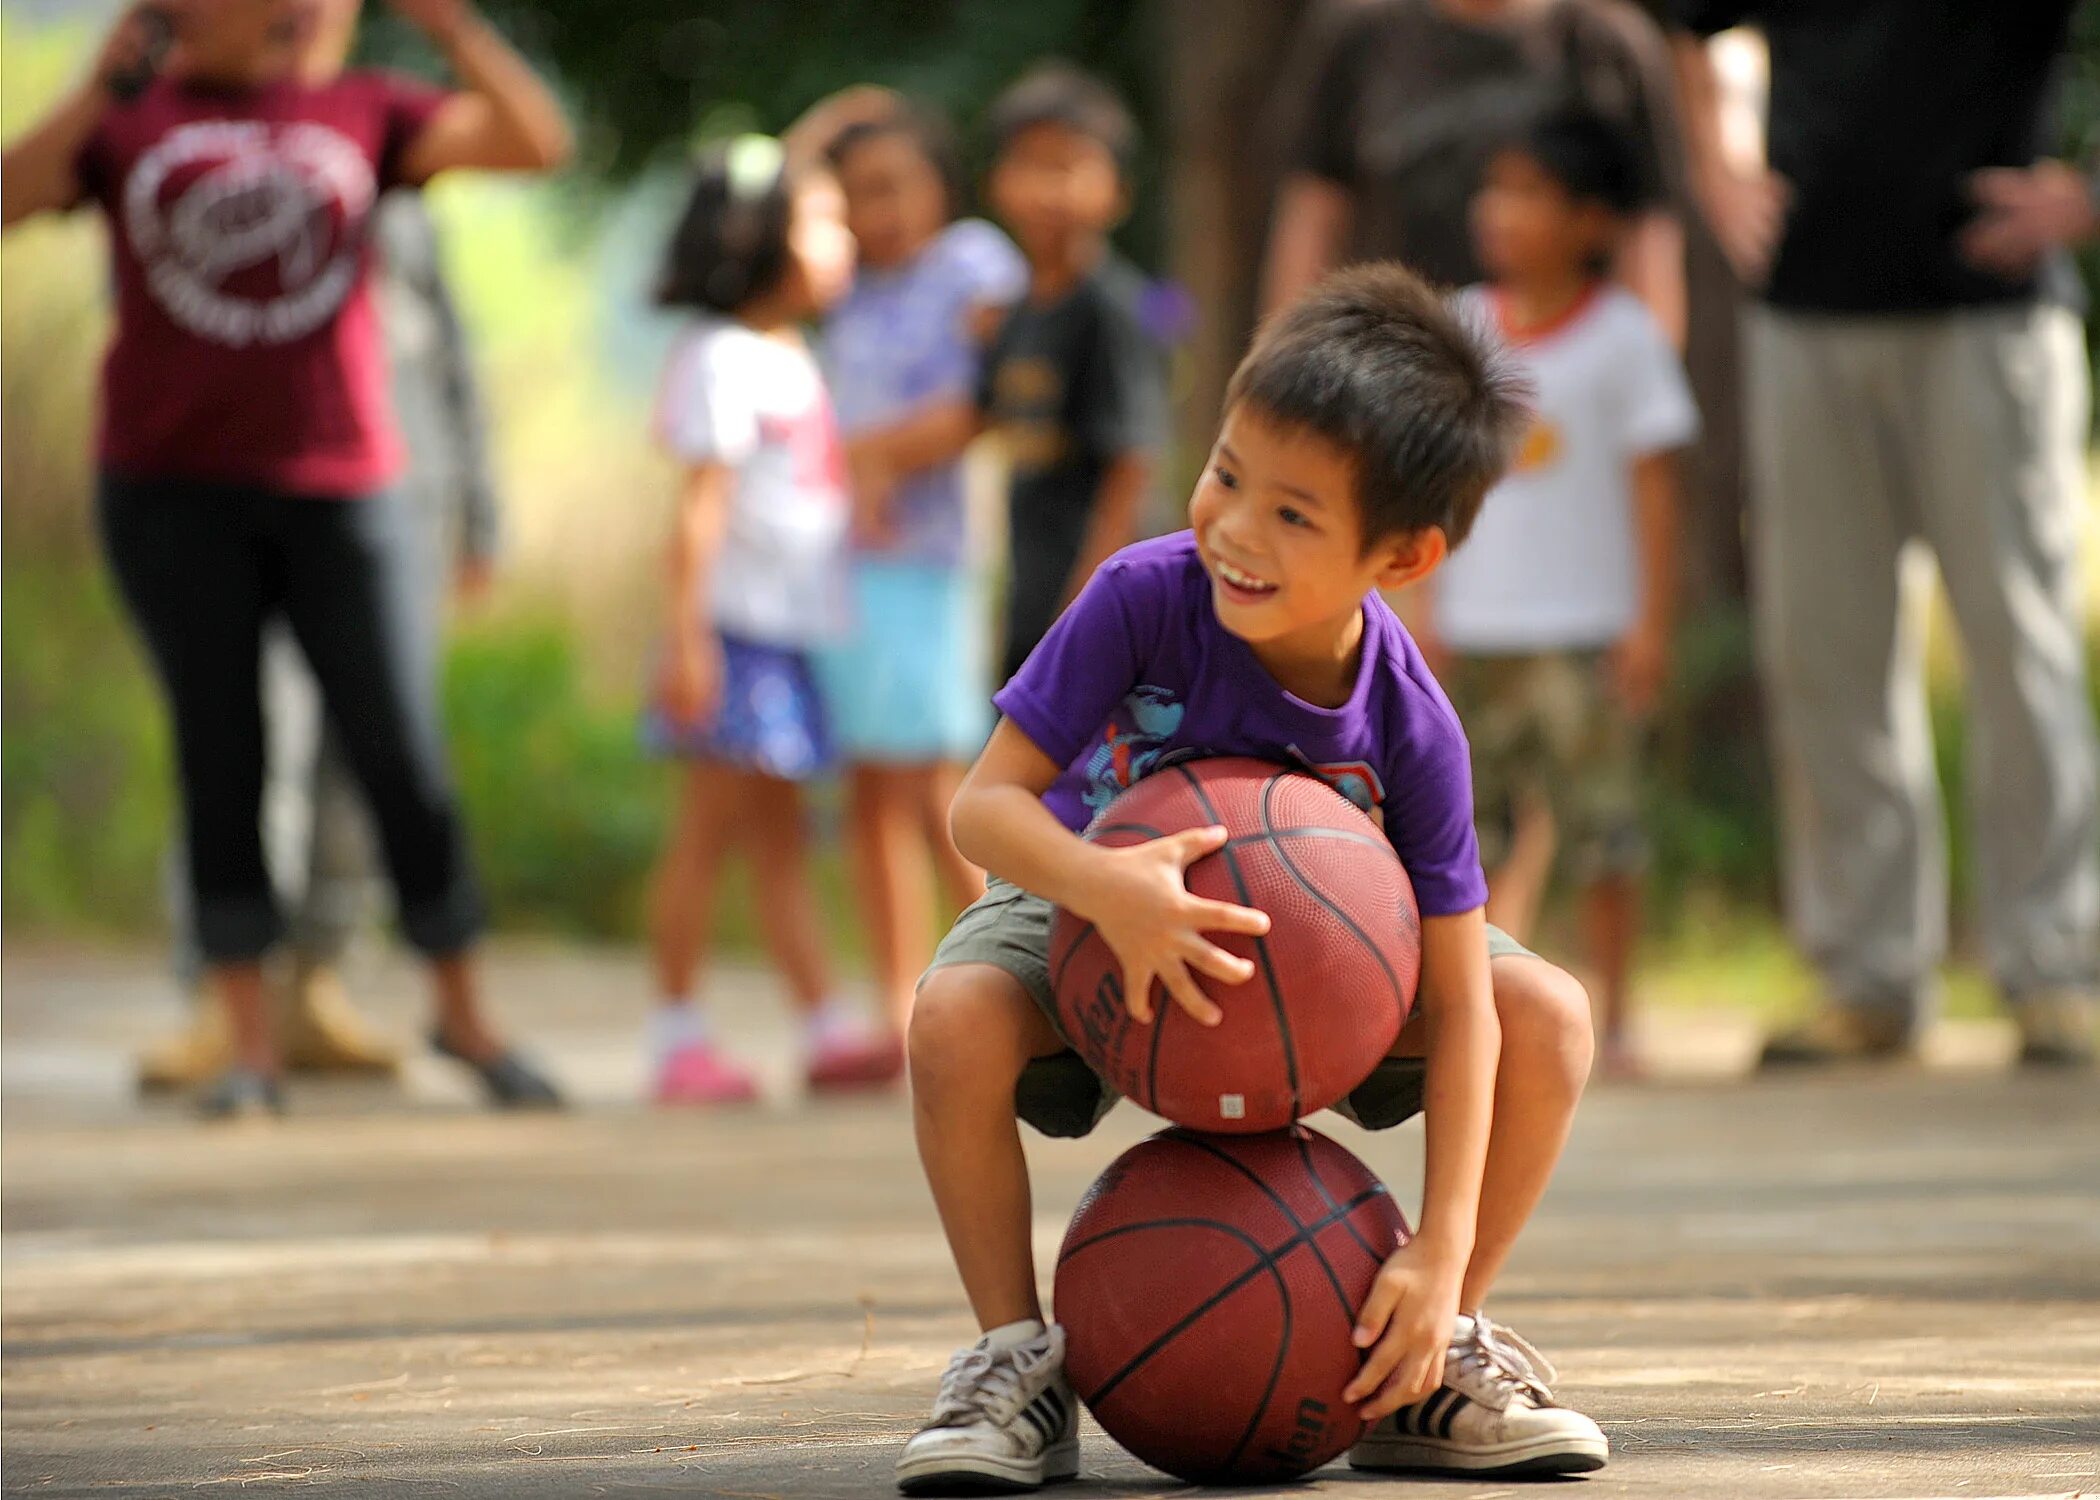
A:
[1558,612]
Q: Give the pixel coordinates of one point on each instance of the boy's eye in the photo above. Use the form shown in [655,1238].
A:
[1292,517]
[1226,477]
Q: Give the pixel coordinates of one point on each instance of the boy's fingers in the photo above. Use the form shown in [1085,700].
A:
[1377,1309]
[1216,962]
[1410,1383]
[1224,916]
[1137,994]
[1181,984]
[1377,1368]
[1387,1361]
[1192,844]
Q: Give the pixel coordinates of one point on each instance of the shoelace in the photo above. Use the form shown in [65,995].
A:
[1501,1363]
[979,1385]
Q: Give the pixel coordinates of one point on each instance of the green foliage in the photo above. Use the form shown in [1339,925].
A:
[85,758]
[647,77]
[564,807]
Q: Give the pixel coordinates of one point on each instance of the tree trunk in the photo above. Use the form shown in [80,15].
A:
[1223,59]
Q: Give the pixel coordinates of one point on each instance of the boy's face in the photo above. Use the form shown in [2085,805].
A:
[1526,225]
[1054,185]
[1280,533]
[895,199]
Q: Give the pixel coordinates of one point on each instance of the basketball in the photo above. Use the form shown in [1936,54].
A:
[1208,1286]
[1333,978]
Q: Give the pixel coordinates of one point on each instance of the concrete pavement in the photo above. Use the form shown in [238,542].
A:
[1880,1285]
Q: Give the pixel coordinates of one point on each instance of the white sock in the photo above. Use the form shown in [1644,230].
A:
[1007,1335]
[676,1024]
[834,1017]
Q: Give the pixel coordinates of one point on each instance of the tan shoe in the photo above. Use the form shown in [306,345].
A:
[195,1055]
[2056,1028]
[323,1032]
[1840,1034]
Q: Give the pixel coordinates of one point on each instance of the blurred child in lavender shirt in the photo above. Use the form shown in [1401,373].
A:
[907,690]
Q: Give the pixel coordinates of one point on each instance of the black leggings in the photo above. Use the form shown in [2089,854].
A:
[201,567]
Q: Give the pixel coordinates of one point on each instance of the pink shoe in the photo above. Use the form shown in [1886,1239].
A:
[702,1073]
[855,1059]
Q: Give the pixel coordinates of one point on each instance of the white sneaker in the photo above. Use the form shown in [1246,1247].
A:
[1005,1420]
[1492,1415]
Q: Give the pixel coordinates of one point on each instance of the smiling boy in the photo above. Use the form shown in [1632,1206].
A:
[1360,436]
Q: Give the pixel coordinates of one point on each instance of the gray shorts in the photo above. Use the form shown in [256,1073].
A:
[1009,928]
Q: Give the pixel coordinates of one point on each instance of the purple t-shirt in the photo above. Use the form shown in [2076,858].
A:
[901,339]
[1138,673]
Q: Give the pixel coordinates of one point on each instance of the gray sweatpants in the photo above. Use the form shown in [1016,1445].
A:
[1873,440]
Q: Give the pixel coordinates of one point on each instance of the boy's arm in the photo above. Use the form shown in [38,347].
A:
[1406,1322]
[1137,897]
[1641,662]
[1112,523]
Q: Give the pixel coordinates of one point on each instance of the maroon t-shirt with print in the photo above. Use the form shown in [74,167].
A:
[247,350]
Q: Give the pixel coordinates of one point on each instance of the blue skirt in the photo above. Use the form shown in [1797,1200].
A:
[771,718]
[909,684]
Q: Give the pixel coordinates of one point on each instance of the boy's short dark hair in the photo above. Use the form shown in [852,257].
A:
[731,243]
[930,135]
[1592,156]
[1056,93]
[1376,362]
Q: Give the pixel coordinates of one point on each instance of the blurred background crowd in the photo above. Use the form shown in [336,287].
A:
[1857,224]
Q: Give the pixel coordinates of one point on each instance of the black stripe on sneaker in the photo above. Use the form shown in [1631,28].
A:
[1058,1410]
[1040,1419]
[1426,1413]
[1408,1417]
[1458,1403]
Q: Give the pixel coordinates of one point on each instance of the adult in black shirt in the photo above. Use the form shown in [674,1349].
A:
[1915,373]
[1391,108]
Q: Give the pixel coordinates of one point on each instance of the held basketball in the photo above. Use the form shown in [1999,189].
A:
[1208,1286]
[1333,978]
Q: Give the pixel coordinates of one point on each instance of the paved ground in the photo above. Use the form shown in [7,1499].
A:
[1885,1286]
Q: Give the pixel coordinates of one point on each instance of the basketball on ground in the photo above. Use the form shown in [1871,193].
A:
[1208,1286]
[1333,978]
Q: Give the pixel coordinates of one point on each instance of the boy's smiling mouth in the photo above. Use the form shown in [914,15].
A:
[1240,581]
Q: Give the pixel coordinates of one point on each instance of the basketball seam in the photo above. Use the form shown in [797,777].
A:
[1270,832]
[1265,1260]
[1261,945]
[1377,1189]
[1320,1185]
[1308,831]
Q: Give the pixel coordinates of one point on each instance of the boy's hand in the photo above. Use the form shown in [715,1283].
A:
[1142,908]
[1640,665]
[689,684]
[1406,1324]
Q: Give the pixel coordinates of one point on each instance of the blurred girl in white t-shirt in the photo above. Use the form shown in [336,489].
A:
[756,563]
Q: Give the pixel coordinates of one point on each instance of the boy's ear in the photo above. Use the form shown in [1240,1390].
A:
[1409,556]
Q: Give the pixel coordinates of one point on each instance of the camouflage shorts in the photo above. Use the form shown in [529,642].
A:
[1549,727]
[1009,929]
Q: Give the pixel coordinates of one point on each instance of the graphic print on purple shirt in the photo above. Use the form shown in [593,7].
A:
[1139,674]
